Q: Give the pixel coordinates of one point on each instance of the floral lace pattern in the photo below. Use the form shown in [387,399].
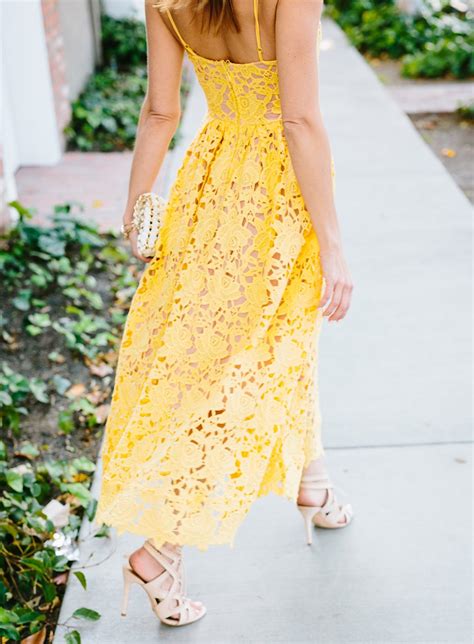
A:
[215,401]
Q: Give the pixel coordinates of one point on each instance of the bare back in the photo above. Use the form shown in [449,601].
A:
[228,44]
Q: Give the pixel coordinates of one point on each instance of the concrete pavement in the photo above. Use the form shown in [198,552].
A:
[395,388]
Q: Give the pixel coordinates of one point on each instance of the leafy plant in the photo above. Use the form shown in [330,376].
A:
[32,566]
[105,116]
[65,291]
[14,392]
[81,412]
[466,111]
[449,55]
[123,43]
[34,270]
[436,42]
[85,334]
[30,255]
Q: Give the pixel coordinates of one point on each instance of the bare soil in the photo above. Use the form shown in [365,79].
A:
[452,140]
[29,355]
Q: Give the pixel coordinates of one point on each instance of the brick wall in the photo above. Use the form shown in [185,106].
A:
[57,63]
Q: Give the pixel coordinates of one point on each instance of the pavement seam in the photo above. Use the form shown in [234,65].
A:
[401,445]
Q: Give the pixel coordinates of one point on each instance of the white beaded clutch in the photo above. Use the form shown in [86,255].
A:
[147,219]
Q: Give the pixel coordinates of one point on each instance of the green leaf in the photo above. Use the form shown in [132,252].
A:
[73,637]
[102,532]
[78,490]
[55,469]
[66,421]
[33,330]
[52,244]
[36,489]
[86,613]
[83,464]
[49,591]
[7,370]
[28,450]
[91,509]
[14,480]
[40,319]
[7,616]
[9,631]
[95,300]
[61,562]
[82,578]
[21,210]
[3,451]
[22,300]
[55,356]
[38,389]
[5,399]
[36,564]
[61,384]
[8,528]
[28,615]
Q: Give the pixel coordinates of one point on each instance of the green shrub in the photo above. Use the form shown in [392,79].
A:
[453,55]
[31,564]
[123,43]
[105,115]
[65,289]
[436,42]
[466,111]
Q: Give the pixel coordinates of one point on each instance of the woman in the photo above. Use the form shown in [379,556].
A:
[215,398]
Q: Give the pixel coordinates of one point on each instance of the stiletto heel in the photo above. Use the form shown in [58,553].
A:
[308,513]
[126,590]
[326,515]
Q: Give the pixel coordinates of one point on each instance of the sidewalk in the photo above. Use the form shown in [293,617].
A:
[396,409]
[96,180]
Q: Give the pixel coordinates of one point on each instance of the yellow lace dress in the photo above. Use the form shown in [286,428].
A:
[215,401]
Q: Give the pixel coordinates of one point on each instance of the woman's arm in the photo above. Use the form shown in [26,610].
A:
[160,112]
[297,23]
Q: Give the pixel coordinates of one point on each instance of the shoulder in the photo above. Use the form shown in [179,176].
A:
[299,12]
[297,6]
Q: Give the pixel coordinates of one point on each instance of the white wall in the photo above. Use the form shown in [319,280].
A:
[79,43]
[11,160]
[124,8]
[31,126]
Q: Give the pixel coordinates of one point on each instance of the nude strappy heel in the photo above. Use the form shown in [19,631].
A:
[327,515]
[165,602]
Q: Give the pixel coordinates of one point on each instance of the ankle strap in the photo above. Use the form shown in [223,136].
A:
[316,482]
[173,554]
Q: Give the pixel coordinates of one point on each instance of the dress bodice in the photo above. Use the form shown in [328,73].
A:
[238,92]
[243,92]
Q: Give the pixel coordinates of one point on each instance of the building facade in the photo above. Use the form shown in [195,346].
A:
[49,50]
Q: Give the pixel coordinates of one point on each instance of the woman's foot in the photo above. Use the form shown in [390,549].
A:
[316,491]
[147,568]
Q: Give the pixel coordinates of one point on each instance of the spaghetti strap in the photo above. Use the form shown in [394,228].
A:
[181,39]
[257,30]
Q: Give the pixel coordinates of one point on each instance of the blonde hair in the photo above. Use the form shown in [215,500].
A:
[219,13]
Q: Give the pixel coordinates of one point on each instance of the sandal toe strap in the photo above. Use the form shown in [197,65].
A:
[333,511]
[177,604]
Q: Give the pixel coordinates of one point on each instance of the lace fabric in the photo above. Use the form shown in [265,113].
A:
[215,400]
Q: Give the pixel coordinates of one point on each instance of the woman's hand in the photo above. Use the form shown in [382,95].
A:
[336,298]
[132,238]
